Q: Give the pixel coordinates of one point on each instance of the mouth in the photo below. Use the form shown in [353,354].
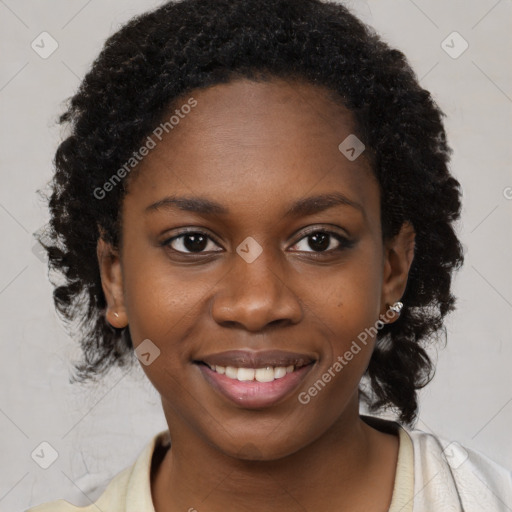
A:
[255,380]
[266,374]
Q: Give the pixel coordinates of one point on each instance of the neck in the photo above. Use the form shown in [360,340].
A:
[333,471]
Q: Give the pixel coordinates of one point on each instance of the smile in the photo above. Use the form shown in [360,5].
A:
[267,374]
[255,380]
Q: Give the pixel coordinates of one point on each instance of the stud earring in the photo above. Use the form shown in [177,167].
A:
[396,307]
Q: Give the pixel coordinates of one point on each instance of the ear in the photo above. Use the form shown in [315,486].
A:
[112,284]
[398,256]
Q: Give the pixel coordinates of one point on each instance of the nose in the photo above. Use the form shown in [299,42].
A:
[255,295]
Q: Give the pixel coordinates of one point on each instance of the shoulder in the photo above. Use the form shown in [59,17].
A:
[55,506]
[449,476]
[113,497]
[129,490]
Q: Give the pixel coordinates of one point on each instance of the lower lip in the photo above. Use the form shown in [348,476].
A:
[253,394]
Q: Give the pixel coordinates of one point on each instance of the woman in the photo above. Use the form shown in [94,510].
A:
[254,200]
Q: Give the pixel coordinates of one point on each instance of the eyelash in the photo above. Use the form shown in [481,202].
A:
[344,243]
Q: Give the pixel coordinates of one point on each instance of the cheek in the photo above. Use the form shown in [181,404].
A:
[346,308]
[163,306]
[346,300]
[162,303]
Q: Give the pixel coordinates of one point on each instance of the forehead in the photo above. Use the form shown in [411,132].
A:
[245,137]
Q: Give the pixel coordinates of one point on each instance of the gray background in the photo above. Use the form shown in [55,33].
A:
[98,430]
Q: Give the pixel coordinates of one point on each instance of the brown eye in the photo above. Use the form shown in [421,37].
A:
[190,242]
[323,241]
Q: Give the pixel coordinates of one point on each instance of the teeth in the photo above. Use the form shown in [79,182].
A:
[231,372]
[246,373]
[267,374]
[279,372]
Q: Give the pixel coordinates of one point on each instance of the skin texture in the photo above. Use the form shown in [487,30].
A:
[256,148]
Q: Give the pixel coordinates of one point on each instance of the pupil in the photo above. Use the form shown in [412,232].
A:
[198,242]
[321,240]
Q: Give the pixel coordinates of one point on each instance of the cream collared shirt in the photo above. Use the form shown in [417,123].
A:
[432,475]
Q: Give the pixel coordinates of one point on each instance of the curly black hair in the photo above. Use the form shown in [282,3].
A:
[159,57]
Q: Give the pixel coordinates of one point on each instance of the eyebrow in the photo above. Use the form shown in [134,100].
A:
[302,207]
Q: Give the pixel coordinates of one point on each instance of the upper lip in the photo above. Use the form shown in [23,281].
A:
[253,359]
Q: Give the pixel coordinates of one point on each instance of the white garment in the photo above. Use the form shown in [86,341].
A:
[432,475]
[451,478]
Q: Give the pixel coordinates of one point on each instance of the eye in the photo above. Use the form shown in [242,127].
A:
[190,242]
[318,241]
[322,240]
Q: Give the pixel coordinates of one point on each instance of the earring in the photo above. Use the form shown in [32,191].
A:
[396,307]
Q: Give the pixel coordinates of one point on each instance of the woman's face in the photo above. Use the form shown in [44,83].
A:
[251,241]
